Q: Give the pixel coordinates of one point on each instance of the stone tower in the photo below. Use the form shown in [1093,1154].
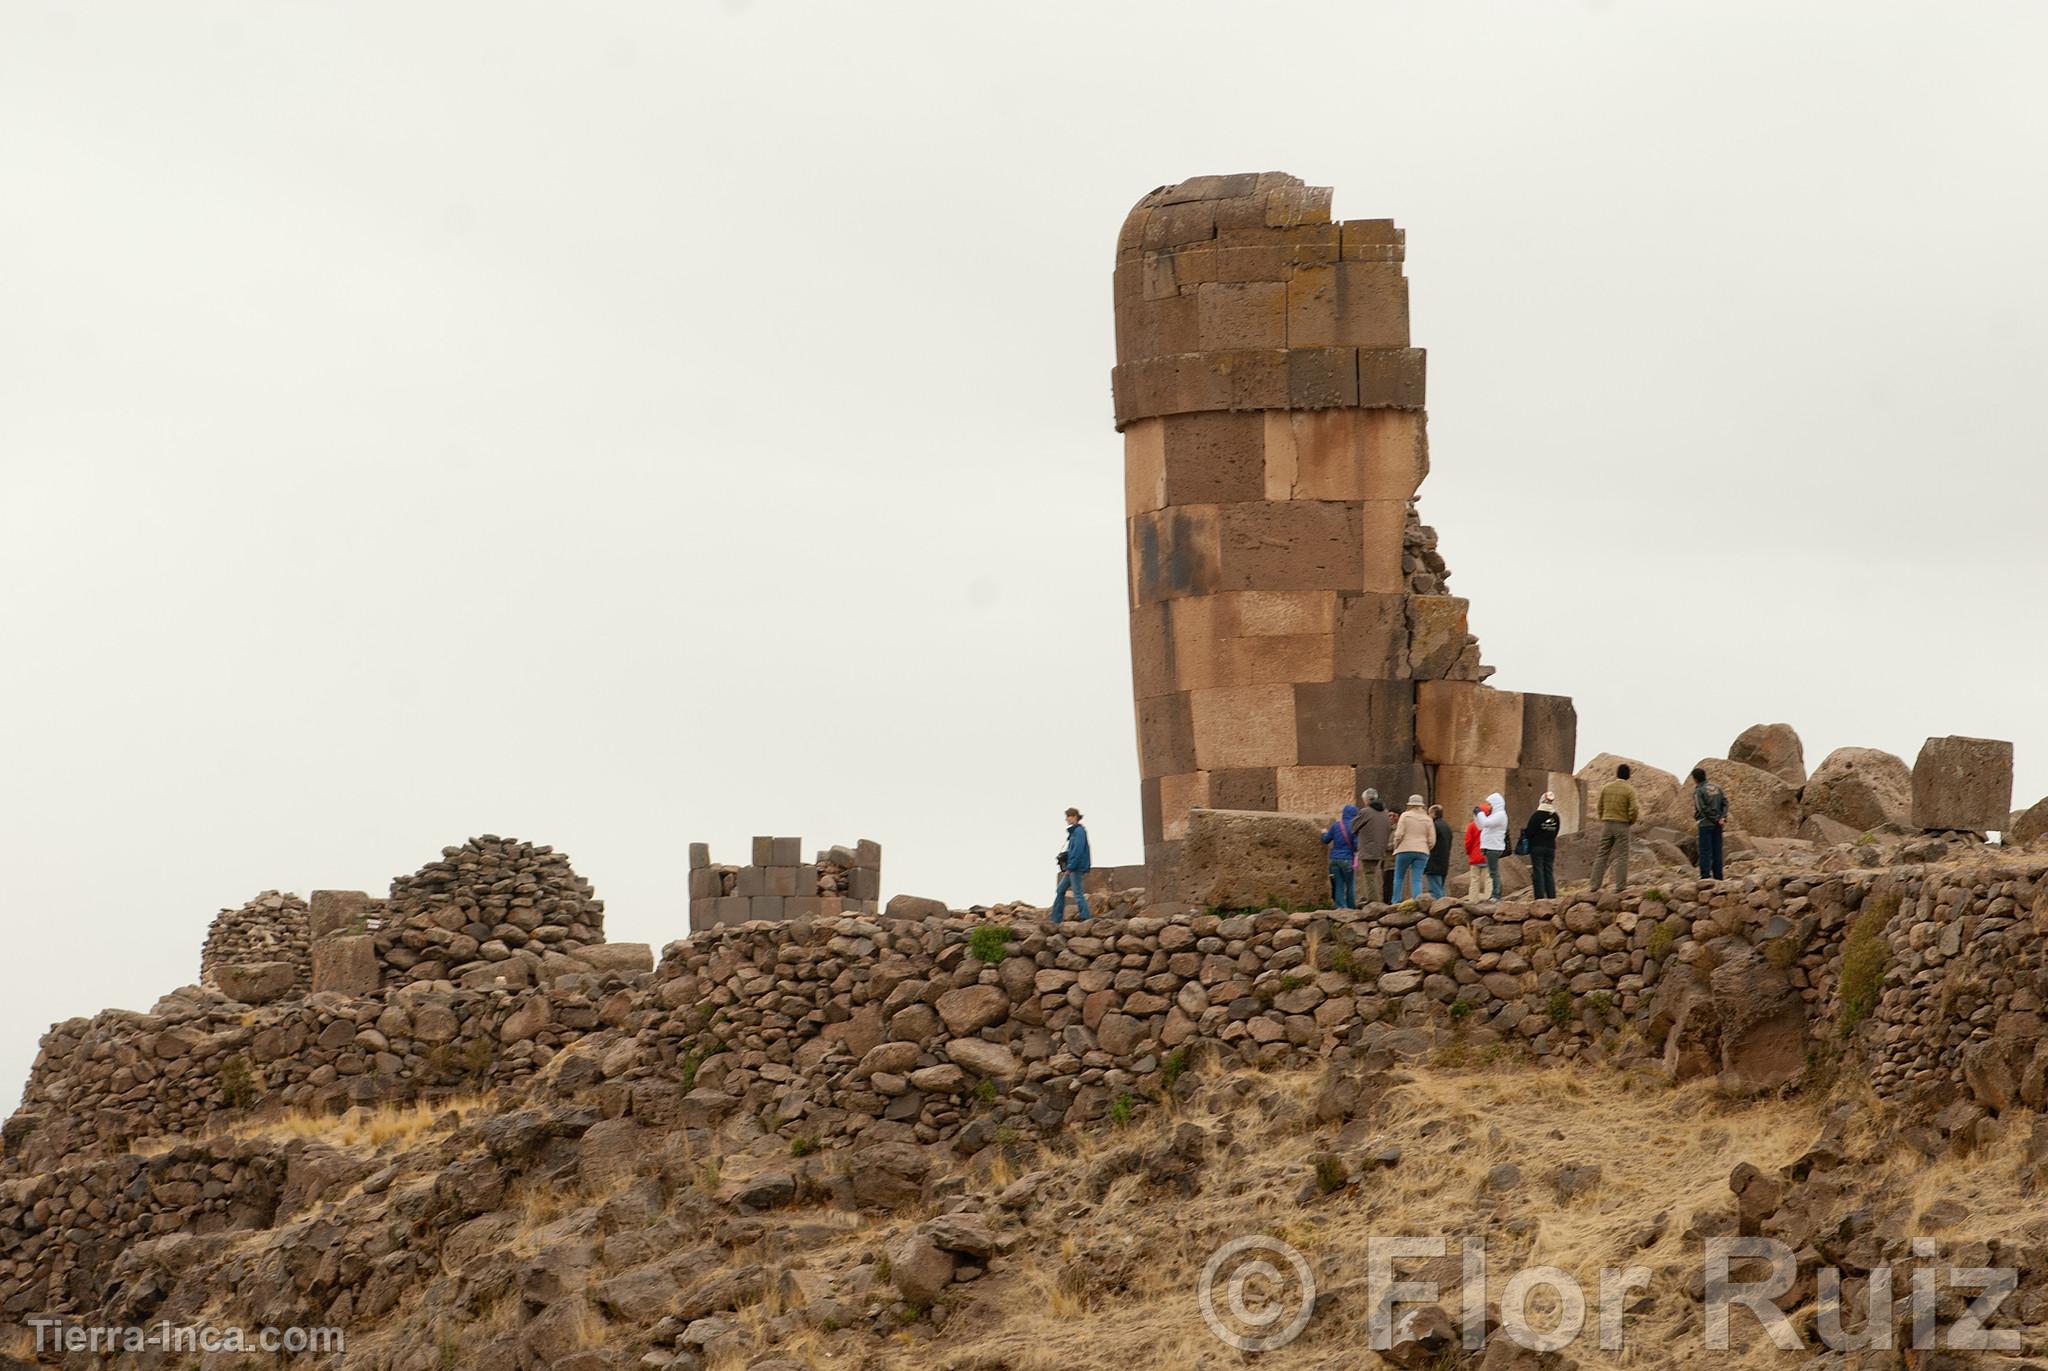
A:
[1293,640]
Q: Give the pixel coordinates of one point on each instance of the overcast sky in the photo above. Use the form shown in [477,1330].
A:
[618,425]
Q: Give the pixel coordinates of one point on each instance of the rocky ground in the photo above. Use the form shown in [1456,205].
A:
[550,1236]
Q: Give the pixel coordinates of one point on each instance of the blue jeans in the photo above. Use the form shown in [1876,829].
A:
[1436,886]
[1713,851]
[1343,885]
[1070,880]
[1408,871]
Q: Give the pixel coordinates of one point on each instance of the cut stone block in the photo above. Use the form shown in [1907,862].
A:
[788,851]
[781,880]
[1176,552]
[1550,732]
[1291,545]
[1464,723]
[1458,789]
[764,851]
[1393,378]
[1178,795]
[1237,860]
[1963,783]
[1243,726]
[1315,789]
[1244,787]
[1372,638]
[1321,378]
[1240,314]
[1437,633]
[255,982]
[1347,304]
[331,911]
[700,855]
[1383,531]
[1353,722]
[1144,467]
[1166,736]
[346,964]
[1214,458]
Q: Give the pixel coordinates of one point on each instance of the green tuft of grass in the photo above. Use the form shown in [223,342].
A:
[1560,1006]
[1865,956]
[1122,1109]
[990,942]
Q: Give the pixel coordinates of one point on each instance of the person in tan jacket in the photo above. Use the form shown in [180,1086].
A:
[1618,811]
[1413,836]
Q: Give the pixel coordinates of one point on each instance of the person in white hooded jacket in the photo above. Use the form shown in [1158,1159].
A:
[1493,838]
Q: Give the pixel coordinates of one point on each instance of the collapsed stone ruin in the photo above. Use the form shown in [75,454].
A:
[779,884]
[1293,639]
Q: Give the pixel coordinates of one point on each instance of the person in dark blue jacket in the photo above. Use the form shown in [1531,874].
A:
[1343,879]
[1074,864]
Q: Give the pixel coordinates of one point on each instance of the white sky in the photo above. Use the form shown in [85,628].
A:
[622,424]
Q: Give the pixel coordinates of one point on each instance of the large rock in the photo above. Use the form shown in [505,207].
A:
[984,1058]
[1774,748]
[346,965]
[1760,803]
[1243,859]
[619,959]
[1862,787]
[255,982]
[2027,825]
[920,1268]
[972,1008]
[1763,1024]
[1962,783]
[1666,803]
[915,907]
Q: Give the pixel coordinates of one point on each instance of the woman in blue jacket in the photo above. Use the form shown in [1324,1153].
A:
[1343,882]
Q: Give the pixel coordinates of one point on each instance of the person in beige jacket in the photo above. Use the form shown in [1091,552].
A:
[1411,840]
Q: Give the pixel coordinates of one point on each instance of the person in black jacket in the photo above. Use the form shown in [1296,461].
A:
[1438,868]
[1540,833]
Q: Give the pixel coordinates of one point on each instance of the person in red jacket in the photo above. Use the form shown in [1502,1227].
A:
[1476,887]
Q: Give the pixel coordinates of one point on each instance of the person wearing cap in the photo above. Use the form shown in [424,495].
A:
[1540,834]
[1369,841]
[1074,864]
[1439,868]
[1413,836]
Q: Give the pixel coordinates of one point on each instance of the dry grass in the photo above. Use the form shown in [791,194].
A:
[361,1127]
[1119,1288]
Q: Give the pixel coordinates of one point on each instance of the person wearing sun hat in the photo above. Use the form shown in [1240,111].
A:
[1412,838]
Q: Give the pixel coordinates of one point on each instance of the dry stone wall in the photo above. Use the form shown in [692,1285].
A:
[779,884]
[482,905]
[1293,638]
[959,1032]
[260,949]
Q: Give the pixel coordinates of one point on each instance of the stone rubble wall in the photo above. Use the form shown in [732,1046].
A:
[483,904]
[945,1031]
[61,1229]
[778,884]
[270,929]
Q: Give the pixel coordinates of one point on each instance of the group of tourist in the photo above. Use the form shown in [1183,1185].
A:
[1408,856]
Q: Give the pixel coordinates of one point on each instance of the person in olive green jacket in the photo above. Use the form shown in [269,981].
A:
[1618,812]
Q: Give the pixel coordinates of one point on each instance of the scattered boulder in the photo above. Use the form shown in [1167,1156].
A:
[1760,803]
[1962,783]
[915,907]
[618,959]
[919,1268]
[984,1058]
[2027,825]
[256,982]
[1665,801]
[1862,787]
[1774,748]
[1246,859]
[972,1008]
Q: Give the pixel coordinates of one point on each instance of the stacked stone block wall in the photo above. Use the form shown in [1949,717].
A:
[779,884]
[269,930]
[1293,640]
